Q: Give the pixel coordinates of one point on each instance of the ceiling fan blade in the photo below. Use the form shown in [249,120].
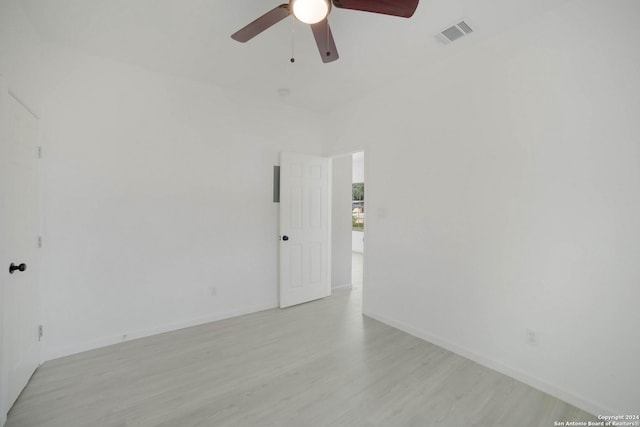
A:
[324,40]
[402,8]
[270,18]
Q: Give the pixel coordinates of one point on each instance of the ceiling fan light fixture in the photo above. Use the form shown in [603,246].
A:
[311,11]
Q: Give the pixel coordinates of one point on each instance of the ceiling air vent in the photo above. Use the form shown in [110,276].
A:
[454,32]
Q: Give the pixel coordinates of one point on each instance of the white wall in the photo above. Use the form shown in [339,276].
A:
[156,191]
[523,162]
[358,167]
[20,68]
[341,222]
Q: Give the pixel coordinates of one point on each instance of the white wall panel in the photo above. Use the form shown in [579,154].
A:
[502,195]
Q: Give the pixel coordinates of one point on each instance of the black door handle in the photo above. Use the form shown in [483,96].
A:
[285,237]
[21,267]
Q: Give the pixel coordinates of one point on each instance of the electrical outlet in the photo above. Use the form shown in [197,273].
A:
[213,291]
[531,337]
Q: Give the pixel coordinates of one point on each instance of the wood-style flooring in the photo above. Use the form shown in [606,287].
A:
[316,364]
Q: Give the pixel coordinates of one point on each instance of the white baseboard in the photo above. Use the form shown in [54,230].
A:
[55,353]
[345,286]
[571,398]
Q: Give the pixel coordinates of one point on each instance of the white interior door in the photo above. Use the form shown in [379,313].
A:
[20,347]
[304,228]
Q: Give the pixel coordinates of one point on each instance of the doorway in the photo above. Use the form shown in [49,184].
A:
[348,221]
[357,219]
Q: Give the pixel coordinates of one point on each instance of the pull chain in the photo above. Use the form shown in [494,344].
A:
[328,46]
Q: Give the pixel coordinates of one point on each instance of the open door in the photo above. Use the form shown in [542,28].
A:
[20,305]
[304,228]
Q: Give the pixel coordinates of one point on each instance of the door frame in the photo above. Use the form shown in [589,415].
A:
[365,152]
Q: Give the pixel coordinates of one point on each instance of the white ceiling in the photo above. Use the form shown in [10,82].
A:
[191,39]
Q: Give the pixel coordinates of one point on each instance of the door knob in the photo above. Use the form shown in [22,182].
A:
[21,267]
[285,237]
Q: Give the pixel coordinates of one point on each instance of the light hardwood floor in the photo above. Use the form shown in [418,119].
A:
[316,364]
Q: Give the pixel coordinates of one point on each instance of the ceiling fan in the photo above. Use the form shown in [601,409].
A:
[315,12]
